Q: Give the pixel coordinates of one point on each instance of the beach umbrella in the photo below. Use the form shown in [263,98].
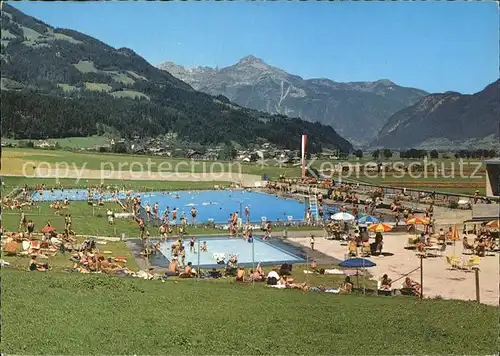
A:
[455,236]
[368,219]
[358,263]
[379,227]
[47,229]
[417,221]
[342,216]
[494,224]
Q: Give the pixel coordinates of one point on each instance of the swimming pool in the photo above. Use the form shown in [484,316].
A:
[215,205]
[71,194]
[265,253]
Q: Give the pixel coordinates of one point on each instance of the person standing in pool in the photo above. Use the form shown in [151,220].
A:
[155,214]
[194,212]
[174,216]
[148,211]
[191,245]
[247,213]
[166,214]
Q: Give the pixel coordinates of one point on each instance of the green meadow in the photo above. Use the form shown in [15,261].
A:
[57,313]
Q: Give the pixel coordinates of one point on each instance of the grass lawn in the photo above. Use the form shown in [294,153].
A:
[14,158]
[93,222]
[136,185]
[57,313]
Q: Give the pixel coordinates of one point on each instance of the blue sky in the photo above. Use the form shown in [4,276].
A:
[435,46]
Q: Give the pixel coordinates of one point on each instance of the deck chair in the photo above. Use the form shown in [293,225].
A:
[442,250]
[467,249]
[366,250]
[449,263]
[472,263]
[453,262]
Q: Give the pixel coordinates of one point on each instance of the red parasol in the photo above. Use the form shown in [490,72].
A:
[47,229]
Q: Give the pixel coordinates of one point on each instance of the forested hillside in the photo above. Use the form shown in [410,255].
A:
[59,83]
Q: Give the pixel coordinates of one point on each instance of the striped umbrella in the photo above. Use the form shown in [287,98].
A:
[379,227]
[494,224]
[368,219]
[455,235]
[418,221]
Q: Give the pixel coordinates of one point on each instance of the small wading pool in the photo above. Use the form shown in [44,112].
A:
[215,205]
[266,253]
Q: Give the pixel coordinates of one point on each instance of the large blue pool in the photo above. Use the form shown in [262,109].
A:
[216,205]
[262,252]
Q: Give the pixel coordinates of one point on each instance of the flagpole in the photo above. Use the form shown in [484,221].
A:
[253,259]
[198,252]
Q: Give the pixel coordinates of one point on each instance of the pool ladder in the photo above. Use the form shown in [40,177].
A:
[313,205]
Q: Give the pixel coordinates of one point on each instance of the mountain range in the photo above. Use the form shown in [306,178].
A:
[59,82]
[446,120]
[356,110]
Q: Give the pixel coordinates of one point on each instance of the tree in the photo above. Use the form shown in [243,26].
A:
[120,147]
[434,154]
[254,157]
[376,154]
[358,154]
[387,153]
[229,152]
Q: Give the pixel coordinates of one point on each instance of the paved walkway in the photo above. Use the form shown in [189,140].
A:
[438,280]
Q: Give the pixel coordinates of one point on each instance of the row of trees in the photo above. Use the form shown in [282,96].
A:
[479,153]
[31,115]
[434,154]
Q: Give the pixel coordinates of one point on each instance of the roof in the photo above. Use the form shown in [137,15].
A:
[493,161]
[477,220]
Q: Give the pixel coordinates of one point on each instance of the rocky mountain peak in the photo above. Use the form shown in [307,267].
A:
[249,60]
[348,107]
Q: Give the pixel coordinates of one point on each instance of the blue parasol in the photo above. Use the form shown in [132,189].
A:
[368,219]
[357,263]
